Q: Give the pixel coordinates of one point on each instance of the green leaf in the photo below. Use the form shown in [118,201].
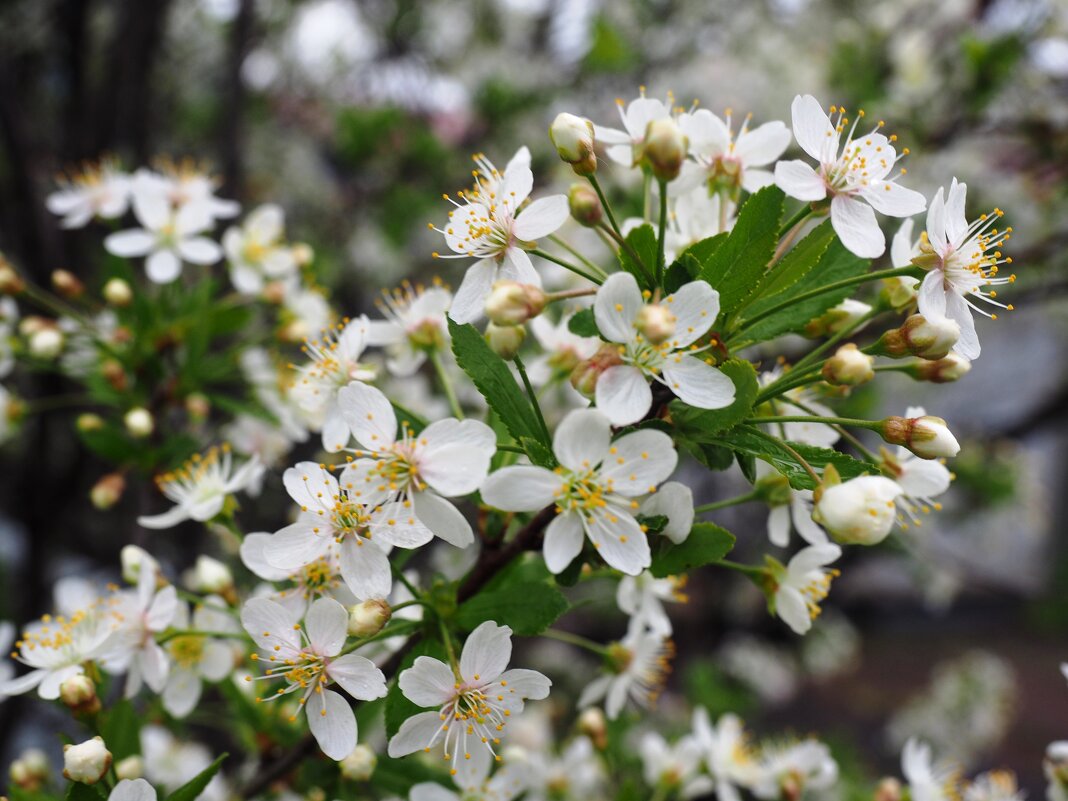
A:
[699,424]
[527,607]
[736,266]
[643,241]
[539,454]
[702,252]
[110,443]
[84,792]
[707,543]
[583,324]
[798,263]
[120,730]
[713,457]
[396,777]
[399,708]
[17,793]
[195,786]
[495,381]
[750,441]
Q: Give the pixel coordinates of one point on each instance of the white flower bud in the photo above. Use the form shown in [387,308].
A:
[30,770]
[900,291]
[928,437]
[139,422]
[848,367]
[845,314]
[592,723]
[10,281]
[79,694]
[859,511]
[360,765]
[210,576]
[584,205]
[67,284]
[664,149]
[505,340]
[513,303]
[86,762]
[133,767]
[655,323]
[133,558]
[585,374]
[952,368]
[367,619]
[107,491]
[118,293]
[46,343]
[573,138]
[919,336]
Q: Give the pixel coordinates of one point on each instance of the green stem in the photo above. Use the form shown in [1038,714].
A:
[446,385]
[604,203]
[782,443]
[575,639]
[660,237]
[196,600]
[447,639]
[856,443]
[403,579]
[226,635]
[711,507]
[802,213]
[647,195]
[596,270]
[625,245]
[871,425]
[749,570]
[511,449]
[837,337]
[533,398]
[567,266]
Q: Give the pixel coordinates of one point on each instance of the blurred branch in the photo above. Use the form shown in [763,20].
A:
[231,128]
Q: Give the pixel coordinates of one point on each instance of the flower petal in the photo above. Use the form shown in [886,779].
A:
[486,653]
[695,306]
[894,200]
[454,455]
[799,180]
[134,242]
[931,299]
[855,224]
[428,682]
[582,439]
[444,519]
[521,488]
[298,544]
[369,415]
[639,461]
[358,676]
[763,144]
[563,541]
[163,266]
[199,250]
[414,734]
[619,540]
[697,383]
[269,624]
[812,127]
[365,569]
[327,625]
[311,486]
[332,723]
[623,395]
[541,218]
[616,307]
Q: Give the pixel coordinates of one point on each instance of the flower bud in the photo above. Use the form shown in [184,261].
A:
[360,765]
[889,789]
[67,284]
[368,618]
[46,343]
[592,723]
[31,770]
[655,323]
[845,314]
[133,559]
[899,291]
[586,373]
[928,437]
[859,511]
[505,340]
[584,205]
[573,138]
[115,374]
[133,767]
[107,491]
[210,577]
[952,368]
[89,422]
[302,253]
[118,293]
[198,406]
[513,303]
[664,149]
[139,422]
[848,367]
[274,292]
[11,282]
[79,694]
[86,762]
[918,336]
[773,488]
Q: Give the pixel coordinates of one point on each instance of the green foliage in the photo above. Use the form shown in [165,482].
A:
[610,52]
[195,786]
[706,544]
[399,708]
[120,730]
[642,241]
[699,424]
[527,607]
[797,263]
[687,267]
[396,777]
[707,686]
[583,324]
[76,791]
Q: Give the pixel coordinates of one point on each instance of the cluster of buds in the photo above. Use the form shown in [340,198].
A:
[30,771]
[928,437]
[573,138]
[918,336]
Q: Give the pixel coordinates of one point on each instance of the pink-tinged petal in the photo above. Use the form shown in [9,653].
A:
[931,299]
[414,734]
[799,180]
[332,723]
[365,569]
[134,242]
[854,222]
[619,540]
[616,307]
[563,541]
[640,461]
[936,222]
[469,303]
[163,266]
[428,682]
[444,519]
[368,414]
[697,383]
[358,677]
[269,624]
[299,543]
[327,625]
[311,486]
[454,455]
[812,127]
[541,218]
[521,488]
[894,200]
[486,653]
[695,306]
[582,439]
[763,144]
[623,395]
[199,250]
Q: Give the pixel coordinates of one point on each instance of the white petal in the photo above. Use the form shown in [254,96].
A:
[358,676]
[623,395]
[790,606]
[594,691]
[958,310]
[518,267]
[217,661]
[135,242]
[335,731]
[675,501]
[311,486]
[541,218]
[901,245]
[619,540]
[469,303]
[894,200]
[936,221]
[428,682]
[327,626]
[182,692]
[22,684]
[522,488]
[199,250]
[697,383]
[269,624]
[763,144]
[529,685]
[369,415]
[486,653]
[454,455]
[163,266]
[414,734]
[133,790]
[444,519]
[298,544]
[265,223]
[854,222]
[155,666]
[396,523]
[639,461]
[563,541]
[151,208]
[695,306]
[616,307]
[172,517]
[365,569]
[429,791]
[582,439]
[922,478]
[162,610]
[799,180]
[336,431]
[779,526]
[812,126]
[931,299]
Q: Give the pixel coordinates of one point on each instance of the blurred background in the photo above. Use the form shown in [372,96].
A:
[355,115]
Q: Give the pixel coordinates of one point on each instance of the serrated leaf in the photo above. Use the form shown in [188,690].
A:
[583,324]
[195,786]
[398,707]
[714,457]
[739,263]
[527,607]
[495,381]
[700,424]
[707,543]
[687,267]
[538,453]
[642,241]
[797,263]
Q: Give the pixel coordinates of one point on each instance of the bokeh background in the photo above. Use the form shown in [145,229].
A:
[356,115]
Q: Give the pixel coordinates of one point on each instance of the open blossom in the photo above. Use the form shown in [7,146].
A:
[927,780]
[795,768]
[304,584]
[199,487]
[643,597]
[97,191]
[333,362]
[853,173]
[802,584]
[307,660]
[994,785]
[595,490]
[623,392]
[902,289]
[410,478]
[638,666]
[474,700]
[673,500]
[185,184]
[963,260]
[626,146]
[723,158]
[414,326]
[575,774]
[474,783]
[789,508]
[167,237]
[145,613]
[170,762]
[257,252]
[494,226]
[673,767]
[197,656]
[726,753]
[696,215]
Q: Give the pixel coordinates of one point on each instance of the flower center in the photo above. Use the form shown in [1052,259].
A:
[187,650]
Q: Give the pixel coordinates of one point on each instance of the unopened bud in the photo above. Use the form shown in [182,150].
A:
[952,368]
[89,422]
[359,766]
[79,694]
[845,315]
[302,254]
[586,373]
[848,367]
[46,343]
[67,284]
[860,511]
[573,138]
[118,293]
[210,577]
[505,340]
[274,292]
[513,303]
[11,282]
[133,767]
[889,789]
[198,406]
[294,331]
[655,323]
[592,723]
[139,422]
[584,205]
[928,437]
[115,374]
[86,762]
[31,770]
[368,618]
[899,291]
[773,488]
[919,336]
[664,149]
[133,559]
[107,491]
